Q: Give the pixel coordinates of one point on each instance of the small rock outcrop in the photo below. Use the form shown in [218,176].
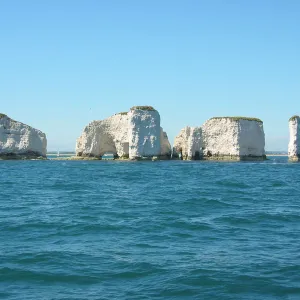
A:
[294,144]
[188,144]
[223,138]
[165,146]
[20,141]
[133,135]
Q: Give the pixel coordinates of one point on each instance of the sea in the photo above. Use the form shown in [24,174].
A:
[150,230]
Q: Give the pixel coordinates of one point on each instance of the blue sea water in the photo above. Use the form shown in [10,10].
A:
[149,230]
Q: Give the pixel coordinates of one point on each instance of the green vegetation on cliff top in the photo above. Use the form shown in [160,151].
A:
[294,118]
[143,108]
[238,119]
[2,116]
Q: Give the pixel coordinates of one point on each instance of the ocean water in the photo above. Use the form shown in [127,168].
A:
[149,230]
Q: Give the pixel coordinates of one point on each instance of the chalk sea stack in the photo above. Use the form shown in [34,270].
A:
[134,134]
[222,138]
[294,144]
[188,144]
[20,141]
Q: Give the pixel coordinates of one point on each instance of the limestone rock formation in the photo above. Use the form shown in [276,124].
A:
[188,144]
[143,133]
[294,144]
[165,146]
[20,141]
[237,138]
[229,138]
[109,135]
[128,135]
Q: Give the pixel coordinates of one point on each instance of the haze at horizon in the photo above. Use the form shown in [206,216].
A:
[67,63]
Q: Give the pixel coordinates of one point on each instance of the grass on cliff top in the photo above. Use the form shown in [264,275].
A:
[143,108]
[122,113]
[2,116]
[294,118]
[239,118]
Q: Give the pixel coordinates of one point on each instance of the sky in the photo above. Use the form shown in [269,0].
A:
[65,63]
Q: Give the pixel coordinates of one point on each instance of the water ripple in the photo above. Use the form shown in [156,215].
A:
[149,230]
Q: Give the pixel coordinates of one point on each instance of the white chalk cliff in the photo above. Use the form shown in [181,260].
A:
[294,144]
[18,140]
[129,135]
[189,143]
[165,146]
[234,138]
[143,133]
[109,135]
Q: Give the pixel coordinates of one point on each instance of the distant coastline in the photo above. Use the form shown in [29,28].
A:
[276,153]
[68,155]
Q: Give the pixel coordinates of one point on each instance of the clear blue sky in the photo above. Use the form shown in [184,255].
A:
[65,63]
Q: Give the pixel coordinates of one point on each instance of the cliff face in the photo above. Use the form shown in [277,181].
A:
[223,138]
[233,138]
[188,143]
[134,134]
[18,140]
[109,135]
[144,133]
[165,146]
[294,144]
[251,139]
